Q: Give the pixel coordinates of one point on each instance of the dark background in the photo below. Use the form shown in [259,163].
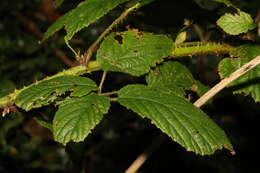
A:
[122,135]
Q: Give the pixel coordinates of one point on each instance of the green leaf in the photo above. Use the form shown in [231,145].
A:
[181,37]
[141,2]
[235,24]
[178,118]
[47,91]
[207,4]
[44,124]
[57,3]
[174,75]
[6,86]
[82,16]
[226,2]
[77,116]
[249,84]
[133,52]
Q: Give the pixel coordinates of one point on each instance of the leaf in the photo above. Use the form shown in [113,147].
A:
[133,52]
[77,116]
[226,2]
[207,4]
[82,16]
[44,124]
[249,84]
[174,75]
[178,118]
[141,2]
[6,87]
[235,24]
[58,3]
[181,37]
[47,91]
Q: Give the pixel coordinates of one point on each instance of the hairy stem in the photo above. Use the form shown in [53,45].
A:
[74,71]
[193,48]
[86,57]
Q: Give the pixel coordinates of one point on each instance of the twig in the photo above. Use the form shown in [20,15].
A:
[139,161]
[36,31]
[102,82]
[86,57]
[108,93]
[222,84]
[74,71]
[244,69]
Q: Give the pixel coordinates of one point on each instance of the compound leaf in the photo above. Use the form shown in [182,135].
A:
[133,52]
[47,91]
[174,75]
[82,16]
[235,24]
[77,116]
[249,83]
[178,118]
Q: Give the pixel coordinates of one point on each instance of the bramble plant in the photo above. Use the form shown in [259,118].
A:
[82,103]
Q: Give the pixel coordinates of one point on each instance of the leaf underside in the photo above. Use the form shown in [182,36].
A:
[237,23]
[178,118]
[76,117]
[133,52]
[248,84]
[47,91]
[82,16]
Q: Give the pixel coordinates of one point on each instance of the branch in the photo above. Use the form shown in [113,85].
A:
[74,71]
[87,56]
[222,84]
[36,31]
[140,160]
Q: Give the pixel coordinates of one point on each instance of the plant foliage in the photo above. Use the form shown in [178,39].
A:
[82,104]
[175,116]
[133,52]
[235,24]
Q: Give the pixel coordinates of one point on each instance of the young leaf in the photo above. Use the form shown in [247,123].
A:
[248,83]
[174,75]
[133,52]
[82,16]
[178,118]
[235,24]
[77,116]
[47,91]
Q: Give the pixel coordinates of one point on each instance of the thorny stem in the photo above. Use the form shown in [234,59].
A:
[114,99]
[87,56]
[102,82]
[74,71]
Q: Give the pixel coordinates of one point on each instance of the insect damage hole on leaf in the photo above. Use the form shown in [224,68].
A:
[118,38]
